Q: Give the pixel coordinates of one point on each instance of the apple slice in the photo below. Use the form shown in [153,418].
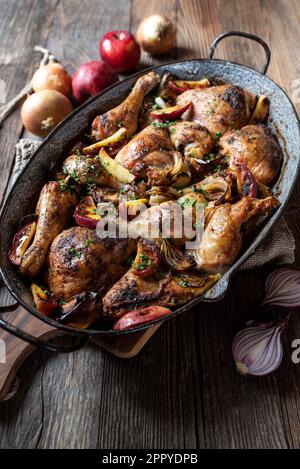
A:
[86,213]
[147,259]
[113,141]
[170,113]
[43,302]
[113,168]
[261,110]
[140,316]
[130,208]
[21,242]
[179,86]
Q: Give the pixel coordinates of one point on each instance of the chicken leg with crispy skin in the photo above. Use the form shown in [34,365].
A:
[55,209]
[256,146]
[126,114]
[222,237]
[219,108]
[81,261]
[170,290]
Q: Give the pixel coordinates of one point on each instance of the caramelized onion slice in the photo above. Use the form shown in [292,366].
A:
[174,257]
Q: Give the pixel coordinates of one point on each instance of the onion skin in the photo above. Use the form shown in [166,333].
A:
[156,34]
[52,77]
[42,111]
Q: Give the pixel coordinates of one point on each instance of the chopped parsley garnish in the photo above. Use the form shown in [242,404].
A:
[209,157]
[163,125]
[75,253]
[218,135]
[88,242]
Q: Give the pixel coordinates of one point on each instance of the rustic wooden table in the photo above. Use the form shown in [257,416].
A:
[179,392]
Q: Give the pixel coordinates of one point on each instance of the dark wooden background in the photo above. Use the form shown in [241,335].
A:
[181,391]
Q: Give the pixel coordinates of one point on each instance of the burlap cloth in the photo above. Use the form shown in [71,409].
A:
[277,248]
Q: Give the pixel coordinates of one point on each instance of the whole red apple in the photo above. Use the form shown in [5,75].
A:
[120,50]
[91,78]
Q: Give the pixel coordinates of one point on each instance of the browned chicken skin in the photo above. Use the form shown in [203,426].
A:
[79,261]
[85,169]
[126,114]
[132,292]
[255,146]
[191,138]
[218,108]
[149,155]
[54,210]
[222,238]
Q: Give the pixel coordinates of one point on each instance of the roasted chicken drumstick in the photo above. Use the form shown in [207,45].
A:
[55,209]
[126,114]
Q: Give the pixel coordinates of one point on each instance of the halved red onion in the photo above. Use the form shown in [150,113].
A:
[257,350]
[283,288]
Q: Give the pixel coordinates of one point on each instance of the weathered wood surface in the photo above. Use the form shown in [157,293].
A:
[181,391]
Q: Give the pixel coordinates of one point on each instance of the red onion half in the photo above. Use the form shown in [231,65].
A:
[257,350]
[283,288]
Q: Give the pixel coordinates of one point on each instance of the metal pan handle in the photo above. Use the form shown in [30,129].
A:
[247,36]
[76,345]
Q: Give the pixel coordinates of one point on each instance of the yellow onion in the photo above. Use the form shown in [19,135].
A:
[52,76]
[42,111]
[156,34]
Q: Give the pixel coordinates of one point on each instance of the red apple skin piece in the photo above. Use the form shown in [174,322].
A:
[46,307]
[85,213]
[246,182]
[120,50]
[20,243]
[91,78]
[185,85]
[170,113]
[140,316]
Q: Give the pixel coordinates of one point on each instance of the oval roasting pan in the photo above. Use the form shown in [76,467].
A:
[283,120]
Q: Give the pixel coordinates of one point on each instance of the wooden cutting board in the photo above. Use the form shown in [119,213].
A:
[17,350]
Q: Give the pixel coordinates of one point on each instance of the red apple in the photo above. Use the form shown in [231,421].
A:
[140,316]
[120,50]
[170,113]
[91,78]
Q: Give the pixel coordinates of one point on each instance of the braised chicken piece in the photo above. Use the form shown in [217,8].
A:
[218,108]
[80,261]
[85,169]
[150,155]
[254,145]
[164,289]
[191,138]
[222,238]
[126,114]
[54,210]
